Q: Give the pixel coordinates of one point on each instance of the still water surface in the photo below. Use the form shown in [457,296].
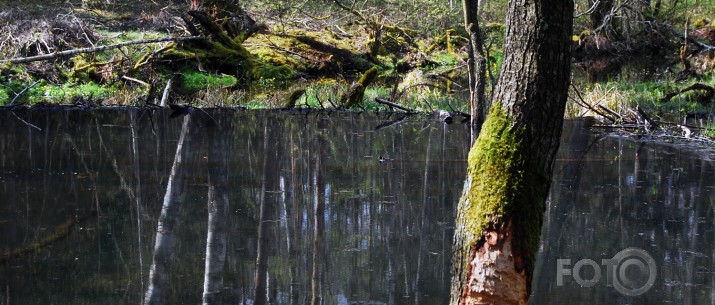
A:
[126,207]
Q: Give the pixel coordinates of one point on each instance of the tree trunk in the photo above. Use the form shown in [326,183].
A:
[476,63]
[500,213]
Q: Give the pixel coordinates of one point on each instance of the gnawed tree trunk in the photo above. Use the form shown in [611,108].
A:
[500,213]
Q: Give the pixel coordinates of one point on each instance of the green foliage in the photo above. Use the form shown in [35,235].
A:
[195,80]
[64,93]
[709,131]
[4,96]
[50,93]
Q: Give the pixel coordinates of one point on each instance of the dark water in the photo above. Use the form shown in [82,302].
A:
[119,207]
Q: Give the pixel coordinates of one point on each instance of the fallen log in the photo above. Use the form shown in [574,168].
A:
[94,49]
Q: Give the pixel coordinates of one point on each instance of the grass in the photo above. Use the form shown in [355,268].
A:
[195,81]
[620,95]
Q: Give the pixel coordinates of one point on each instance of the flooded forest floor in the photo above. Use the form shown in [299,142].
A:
[335,55]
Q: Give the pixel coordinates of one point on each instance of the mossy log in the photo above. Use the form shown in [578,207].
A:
[293,98]
[354,95]
[225,53]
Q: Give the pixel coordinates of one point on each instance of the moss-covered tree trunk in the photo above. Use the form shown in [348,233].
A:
[500,212]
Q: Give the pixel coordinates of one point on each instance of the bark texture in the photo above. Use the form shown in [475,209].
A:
[476,63]
[501,209]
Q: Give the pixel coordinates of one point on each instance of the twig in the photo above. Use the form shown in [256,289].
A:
[590,10]
[95,49]
[141,82]
[613,113]
[23,91]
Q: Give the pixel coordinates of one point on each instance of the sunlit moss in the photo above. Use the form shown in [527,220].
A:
[65,93]
[4,96]
[195,80]
[505,184]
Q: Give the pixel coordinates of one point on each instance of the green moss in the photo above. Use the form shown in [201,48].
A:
[65,93]
[700,23]
[507,185]
[195,80]
[368,77]
[4,96]
[353,97]
[268,71]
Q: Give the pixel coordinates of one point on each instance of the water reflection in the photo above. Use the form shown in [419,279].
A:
[226,207]
[613,193]
[294,208]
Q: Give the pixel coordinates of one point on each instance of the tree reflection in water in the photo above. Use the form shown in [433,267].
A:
[295,208]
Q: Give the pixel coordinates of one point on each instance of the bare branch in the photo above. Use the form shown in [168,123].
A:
[94,49]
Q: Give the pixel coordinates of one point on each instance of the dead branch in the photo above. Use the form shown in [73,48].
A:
[697,86]
[95,49]
[584,104]
[138,81]
[650,123]
[613,113]
[23,91]
[393,105]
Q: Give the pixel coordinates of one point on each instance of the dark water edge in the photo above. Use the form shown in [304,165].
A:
[312,215]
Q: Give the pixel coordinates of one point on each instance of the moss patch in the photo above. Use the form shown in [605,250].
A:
[194,80]
[507,184]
